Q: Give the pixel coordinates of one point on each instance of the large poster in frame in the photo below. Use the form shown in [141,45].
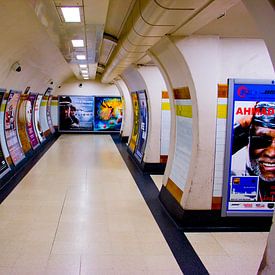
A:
[11,134]
[4,167]
[22,122]
[43,116]
[30,123]
[108,114]
[76,113]
[249,173]
[134,135]
[143,125]
[37,123]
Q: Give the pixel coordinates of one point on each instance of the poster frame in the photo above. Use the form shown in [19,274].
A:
[58,115]
[228,149]
[139,136]
[85,131]
[111,131]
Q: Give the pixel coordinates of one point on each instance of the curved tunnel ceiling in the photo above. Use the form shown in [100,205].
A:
[118,33]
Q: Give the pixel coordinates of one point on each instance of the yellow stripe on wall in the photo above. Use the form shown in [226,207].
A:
[43,103]
[184,110]
[222,111]
[165,106]
[54,103]
[3,107]
[174,190]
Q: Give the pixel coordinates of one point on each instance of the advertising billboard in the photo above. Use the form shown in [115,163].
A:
[12,139]
[30,123]
[43,116]
[108,114]
[134,135]
[143,125]
[38,128]
[249,173]
[76,113]
[4,167]
[22,122]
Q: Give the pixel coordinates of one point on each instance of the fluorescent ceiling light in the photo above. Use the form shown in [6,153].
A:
[81,57]
[84,71]
[78,43]
[85,77]
[71,14]
[83,66]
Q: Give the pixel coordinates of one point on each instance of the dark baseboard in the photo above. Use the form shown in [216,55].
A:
[124,139]
[148,168]
[14,176]
[210,220]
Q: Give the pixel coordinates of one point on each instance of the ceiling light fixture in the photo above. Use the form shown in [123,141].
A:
[84,71]
[71,14]
[83,66]
[81,57]
[86,77]
[77,43]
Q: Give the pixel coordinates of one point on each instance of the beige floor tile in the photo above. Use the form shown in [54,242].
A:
[5,270]
[157,180]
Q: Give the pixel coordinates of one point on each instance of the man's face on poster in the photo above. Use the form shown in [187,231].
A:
[262,152]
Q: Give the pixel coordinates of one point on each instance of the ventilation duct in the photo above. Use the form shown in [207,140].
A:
[150,20]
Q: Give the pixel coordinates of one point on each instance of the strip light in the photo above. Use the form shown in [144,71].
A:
[78,43]
[81,57]
[71,14]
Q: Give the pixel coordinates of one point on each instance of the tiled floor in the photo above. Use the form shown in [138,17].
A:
[227,253]
[78,211]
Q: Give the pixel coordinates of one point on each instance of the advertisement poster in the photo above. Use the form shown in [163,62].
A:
[49,117]
[76,113]
[134,135]
[250,151]
[13,142]
[4,168]
[22,122]
[37,124]
[108,113]
[43,116]
[143,125]
[30,120]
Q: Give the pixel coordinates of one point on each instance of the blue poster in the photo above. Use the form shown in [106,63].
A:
[249,184]
[76,113]
[108,113]
[143,125]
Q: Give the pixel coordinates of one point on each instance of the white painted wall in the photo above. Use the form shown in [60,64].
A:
[92,87]
[244,58]
[128,109]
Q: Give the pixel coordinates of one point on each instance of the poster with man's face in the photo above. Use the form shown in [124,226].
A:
[76,113]
[249,185]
